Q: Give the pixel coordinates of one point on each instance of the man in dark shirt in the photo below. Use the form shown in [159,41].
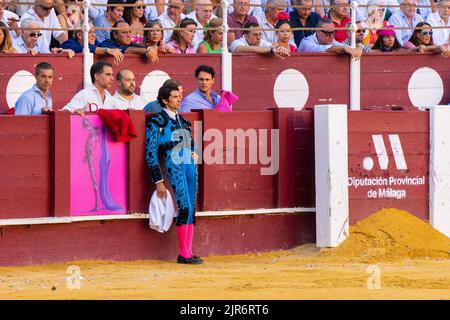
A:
[121,39]
[77,45]
[303,18]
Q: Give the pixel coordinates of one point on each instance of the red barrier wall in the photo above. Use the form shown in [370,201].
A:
[25,173]
[384,77]
[412,130]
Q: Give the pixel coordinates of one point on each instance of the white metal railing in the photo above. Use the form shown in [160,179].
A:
[226,63]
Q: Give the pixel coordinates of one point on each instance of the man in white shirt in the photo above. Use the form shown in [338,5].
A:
[441,18]
[10,19]
[323,41]
[30,40]
[268,19]
[94,96]
[202,14]
[405,18]
[125,98]
[45,15]
[171,17]
[252,42]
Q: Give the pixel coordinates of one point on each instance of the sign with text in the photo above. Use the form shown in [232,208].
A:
[388,164]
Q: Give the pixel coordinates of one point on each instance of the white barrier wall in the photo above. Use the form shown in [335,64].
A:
[440,168]
[331,162]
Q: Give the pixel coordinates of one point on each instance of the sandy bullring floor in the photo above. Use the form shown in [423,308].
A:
[413,261]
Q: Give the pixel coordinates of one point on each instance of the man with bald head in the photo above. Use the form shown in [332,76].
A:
[202,14]
[45,15]
[125,97]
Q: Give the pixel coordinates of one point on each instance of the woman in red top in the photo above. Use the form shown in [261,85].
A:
[284,32]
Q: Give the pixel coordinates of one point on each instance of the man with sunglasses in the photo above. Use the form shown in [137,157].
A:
[30,40]
[359,37]
[45,15]
[323,41]
[171,17]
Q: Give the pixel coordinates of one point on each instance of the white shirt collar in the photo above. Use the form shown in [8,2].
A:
[118,96]
[171,114]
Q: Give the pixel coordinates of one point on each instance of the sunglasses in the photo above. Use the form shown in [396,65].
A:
[361,31]
[139,7]
[427,33]
[34,34]
[328,33]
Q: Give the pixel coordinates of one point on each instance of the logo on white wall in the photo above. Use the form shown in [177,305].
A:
[382,156]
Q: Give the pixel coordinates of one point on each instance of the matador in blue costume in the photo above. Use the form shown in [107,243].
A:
[169,139]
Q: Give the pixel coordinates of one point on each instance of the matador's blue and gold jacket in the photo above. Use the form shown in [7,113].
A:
[167,138]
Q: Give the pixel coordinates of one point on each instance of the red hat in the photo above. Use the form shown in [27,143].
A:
[386,32]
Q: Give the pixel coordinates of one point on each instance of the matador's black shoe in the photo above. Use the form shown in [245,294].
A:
[191,260]
[198,259]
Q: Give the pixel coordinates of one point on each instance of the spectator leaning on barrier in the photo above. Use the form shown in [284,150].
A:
[405,18]
[171,17]
[153,37]
[203,97]
[212,42]
[359,37]
[303,18]
[441,19]
[5,40]
[126,98]
[339,15]
[268,18]
[202,15]
[422,41]
[38,99]
[182,41]
[10,19]
[121,39]
[95,95]
[284,33]
[387,42]
[112,15]
[30,40]
[134,16]
[238,18]
[154,106]
[252,42]
[323,41]
[76,44]
[45,15]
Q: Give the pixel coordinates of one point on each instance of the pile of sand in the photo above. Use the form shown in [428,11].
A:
[389,235]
